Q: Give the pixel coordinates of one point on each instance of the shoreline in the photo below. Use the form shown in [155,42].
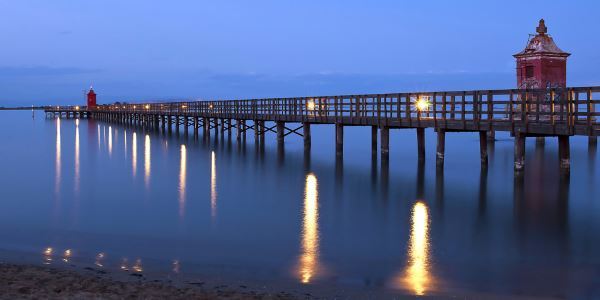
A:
[19,281]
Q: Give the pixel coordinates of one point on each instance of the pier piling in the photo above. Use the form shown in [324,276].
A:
[441,147]
[421,143]
[339,139]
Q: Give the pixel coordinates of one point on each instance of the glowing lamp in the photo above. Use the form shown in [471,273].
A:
[310,104]
[422,104]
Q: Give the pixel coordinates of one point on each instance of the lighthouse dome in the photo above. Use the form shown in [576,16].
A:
[541,44]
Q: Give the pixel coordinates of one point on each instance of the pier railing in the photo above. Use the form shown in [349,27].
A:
[567,107]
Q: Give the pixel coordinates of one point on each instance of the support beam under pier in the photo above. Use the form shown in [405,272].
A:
[519,152]
[339,139]
[483,153]
[280,132]
[307,138]
[564,152]
[441,147]
[385,142]
[421,143]
[373,140]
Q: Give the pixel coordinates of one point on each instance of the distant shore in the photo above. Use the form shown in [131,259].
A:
[34,282]
[24,108]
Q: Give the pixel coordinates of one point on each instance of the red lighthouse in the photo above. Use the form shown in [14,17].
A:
[91,98]
[542,64]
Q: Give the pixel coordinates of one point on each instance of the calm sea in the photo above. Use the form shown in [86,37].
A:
[145,201]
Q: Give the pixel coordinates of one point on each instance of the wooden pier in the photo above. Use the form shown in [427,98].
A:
[560,112]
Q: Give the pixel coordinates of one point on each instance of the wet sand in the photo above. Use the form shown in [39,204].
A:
[35,282]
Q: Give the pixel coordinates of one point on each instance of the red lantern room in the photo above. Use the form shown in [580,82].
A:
[542,64]
[91,98]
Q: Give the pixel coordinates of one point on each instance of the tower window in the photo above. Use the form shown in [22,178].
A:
[528,71]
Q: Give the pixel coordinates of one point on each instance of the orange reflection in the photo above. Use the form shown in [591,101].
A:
[134,154]
[77,155]
[213,185]
[147,160]
[137,267]
[67,255]
[58,157]
[109,140]
[125,141]
[309,259]
[417,276]
[48,255]
[182,179]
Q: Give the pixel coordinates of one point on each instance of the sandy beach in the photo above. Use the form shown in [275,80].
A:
[35,282]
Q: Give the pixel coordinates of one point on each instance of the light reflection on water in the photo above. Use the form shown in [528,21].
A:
[309,258]
[134,154]
[110,140]
[360,220]
[182,180]
[58,167]
[213,185]
[417,275]
[77,176]
[147,160]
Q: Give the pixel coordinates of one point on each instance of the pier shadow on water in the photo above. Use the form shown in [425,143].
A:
[152,201]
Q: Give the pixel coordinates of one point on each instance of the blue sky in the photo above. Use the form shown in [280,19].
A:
[156,50]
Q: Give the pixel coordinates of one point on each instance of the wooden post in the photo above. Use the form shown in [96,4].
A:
[261,132]
[206,127]
[385,142]
[339,139]
[177,124]
[280,125]
[238,132]
[592,141]
[196,125]
[185,125]
[564,152]
[483,139]
[307,138]
[374,140]
[519,151]
[441,147]
[170,123]
[243,130]
[216,124]
[421,143]
[229,129]
[256,130]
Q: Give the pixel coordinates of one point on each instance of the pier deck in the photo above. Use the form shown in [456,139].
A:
[560,112]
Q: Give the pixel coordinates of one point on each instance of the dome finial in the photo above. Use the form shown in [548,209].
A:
[541,29]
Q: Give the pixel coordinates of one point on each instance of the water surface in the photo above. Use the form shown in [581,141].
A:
[145,201]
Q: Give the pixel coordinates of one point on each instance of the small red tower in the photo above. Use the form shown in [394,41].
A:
[542,64]
[91,98]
